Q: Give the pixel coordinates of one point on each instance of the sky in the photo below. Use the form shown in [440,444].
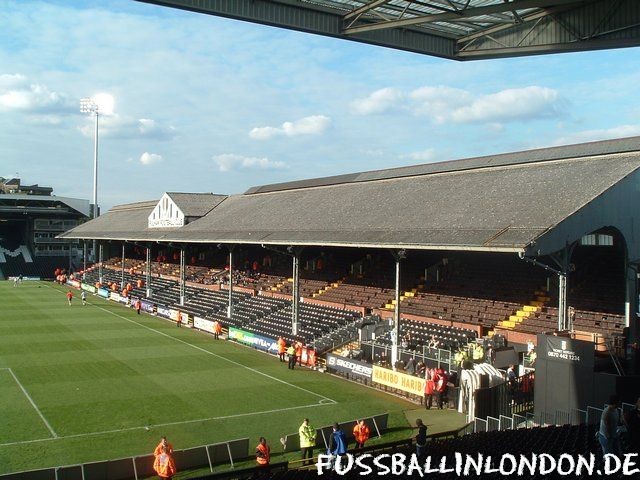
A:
[206,104]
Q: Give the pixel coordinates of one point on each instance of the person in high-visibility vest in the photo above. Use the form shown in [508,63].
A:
[263,452]
[361,433]
[217,329]
[69,297]
[291,353]
[164,465]
[138,306]
[307,436]
[282,348]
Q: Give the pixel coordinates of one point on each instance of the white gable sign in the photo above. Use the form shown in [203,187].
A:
[166,214]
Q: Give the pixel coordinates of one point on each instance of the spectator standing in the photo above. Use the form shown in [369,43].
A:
[609,422]
[361,433]
[337,442]
[429,387]
[410,368]
[442,387]
[421,439]
[291,353]
[307,440]
[263,453]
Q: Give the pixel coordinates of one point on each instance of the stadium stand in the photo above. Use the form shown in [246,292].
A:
[321,326]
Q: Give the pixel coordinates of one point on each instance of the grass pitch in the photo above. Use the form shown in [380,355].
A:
[95,382]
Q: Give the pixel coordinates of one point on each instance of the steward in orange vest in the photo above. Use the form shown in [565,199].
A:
[361,433]
[217,329]
[282,348]
[164,465]
[263,453]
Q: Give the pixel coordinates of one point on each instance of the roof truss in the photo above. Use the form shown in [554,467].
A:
[455,29]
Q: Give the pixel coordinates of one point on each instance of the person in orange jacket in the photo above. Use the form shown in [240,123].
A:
[298,348]
[163,443]
[217,329]
[263,453]
[69,297]
[138,306]
[282,348]
[361,433]
[164,465]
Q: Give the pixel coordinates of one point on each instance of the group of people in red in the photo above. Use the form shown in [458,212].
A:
[435,385]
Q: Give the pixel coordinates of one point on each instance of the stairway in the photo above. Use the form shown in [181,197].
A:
[526,311]
[328,287]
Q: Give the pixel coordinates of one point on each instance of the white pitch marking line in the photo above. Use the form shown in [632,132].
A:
[33,404]
[210,353]
[129,429]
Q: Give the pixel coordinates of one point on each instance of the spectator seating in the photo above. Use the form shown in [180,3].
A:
[326,326]
[417,334]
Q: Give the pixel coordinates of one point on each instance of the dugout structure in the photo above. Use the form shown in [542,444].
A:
[536,205]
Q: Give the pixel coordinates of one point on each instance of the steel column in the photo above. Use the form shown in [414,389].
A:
[562,301]
[395,331]
[147,280]
[84,258]
[100,255]
[122,281]
[230,307]
[182,276]
[296,292]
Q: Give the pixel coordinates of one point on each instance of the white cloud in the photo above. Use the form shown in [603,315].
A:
[149,158]
[313,125]
[446,104]
[379,101]
[116,126]
[18,94]
[511,104]
[230,161]
[438,102]
[620,131]
[427,155]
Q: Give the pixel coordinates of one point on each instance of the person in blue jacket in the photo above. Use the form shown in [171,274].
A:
[337,442]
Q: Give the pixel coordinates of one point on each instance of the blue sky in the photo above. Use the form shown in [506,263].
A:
[207,104]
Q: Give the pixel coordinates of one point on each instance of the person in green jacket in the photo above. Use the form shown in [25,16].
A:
[307,440]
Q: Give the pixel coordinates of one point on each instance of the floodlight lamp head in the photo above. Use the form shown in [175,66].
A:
[87,105]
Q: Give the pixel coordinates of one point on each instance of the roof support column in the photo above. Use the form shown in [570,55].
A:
[562,259]
[395,331]
[100,256]
[122,270]
[295,306]
[182,276]
[230,307]
[84,258]
[147,280]
[562,301]
[631,317]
